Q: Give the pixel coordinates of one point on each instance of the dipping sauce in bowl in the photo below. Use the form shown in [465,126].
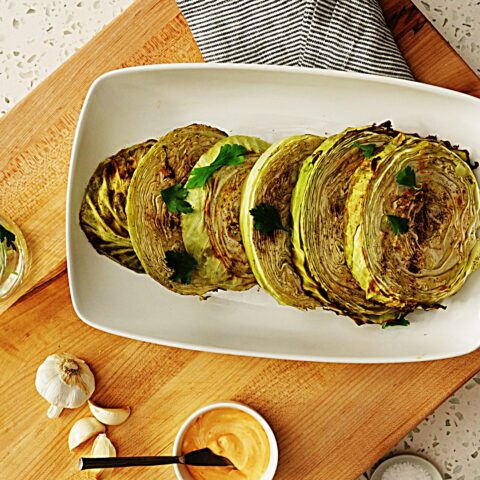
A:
[233,431]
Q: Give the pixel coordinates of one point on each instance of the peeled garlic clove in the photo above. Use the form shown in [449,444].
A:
[82,430]
[102,447]
[109,416]
[65,381]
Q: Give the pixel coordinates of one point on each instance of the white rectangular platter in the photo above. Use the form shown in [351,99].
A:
[127,106]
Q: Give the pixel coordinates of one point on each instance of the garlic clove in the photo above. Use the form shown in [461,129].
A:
[102,447]
[65,381]
[109,416]
[82,430]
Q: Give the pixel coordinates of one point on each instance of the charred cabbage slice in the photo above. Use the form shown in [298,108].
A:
[211,233]
[318,209]
[271,181]
[429,259]
[153,228]
[102,214]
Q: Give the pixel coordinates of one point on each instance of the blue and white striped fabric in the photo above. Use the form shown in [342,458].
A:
[337,34]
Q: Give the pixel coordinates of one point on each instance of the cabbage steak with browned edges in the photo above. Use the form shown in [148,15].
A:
[412,244]
[154,229]
[102,214]
[211,233]
[271,182]
[318,208]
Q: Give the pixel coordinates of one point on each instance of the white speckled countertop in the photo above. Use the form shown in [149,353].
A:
[459,22]
[37,36]
[449,437]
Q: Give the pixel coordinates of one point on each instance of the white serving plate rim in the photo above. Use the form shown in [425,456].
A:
[260,68]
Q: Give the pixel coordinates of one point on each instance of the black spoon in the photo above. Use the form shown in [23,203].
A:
[204,458]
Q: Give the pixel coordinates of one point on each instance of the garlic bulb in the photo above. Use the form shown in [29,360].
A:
[109,416]
[82,430]
[65,381]
[102,447]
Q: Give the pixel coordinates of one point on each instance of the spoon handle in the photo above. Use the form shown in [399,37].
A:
[86,463]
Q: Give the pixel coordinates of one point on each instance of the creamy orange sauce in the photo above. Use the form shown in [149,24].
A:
[233,434]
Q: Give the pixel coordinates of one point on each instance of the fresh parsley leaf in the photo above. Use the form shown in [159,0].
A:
[230,154]
[182,265]
[266,219]
[174,197]
[398,224]
[8,237]
[401,322]
[407,177]
[366,149]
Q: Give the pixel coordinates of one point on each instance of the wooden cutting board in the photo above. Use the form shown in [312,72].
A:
[332,421]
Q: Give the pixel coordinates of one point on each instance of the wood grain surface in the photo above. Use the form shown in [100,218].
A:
[332,421]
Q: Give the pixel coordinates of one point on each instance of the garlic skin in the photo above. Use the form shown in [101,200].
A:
[82,430]
[102,447]
[109,416]
[65,381]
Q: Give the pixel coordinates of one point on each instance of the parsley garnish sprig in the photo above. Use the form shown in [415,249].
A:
[175,199]
[398,224]
[230,154]
[367,149]
[182,264]
[407,178]
[401,322]
[266,219]
[8,237]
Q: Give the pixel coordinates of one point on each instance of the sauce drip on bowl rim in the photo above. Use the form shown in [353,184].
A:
[233,434]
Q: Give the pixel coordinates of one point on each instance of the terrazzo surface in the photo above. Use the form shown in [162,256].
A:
[449,437]
[37,36]
[459,22]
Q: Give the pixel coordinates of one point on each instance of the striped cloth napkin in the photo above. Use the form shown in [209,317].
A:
[335,34]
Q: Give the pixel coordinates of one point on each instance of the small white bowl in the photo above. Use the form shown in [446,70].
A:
[416,460]
[182,473]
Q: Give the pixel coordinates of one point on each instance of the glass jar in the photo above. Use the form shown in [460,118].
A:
[14,259]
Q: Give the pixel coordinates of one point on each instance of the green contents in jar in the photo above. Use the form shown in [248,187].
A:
[13,257]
